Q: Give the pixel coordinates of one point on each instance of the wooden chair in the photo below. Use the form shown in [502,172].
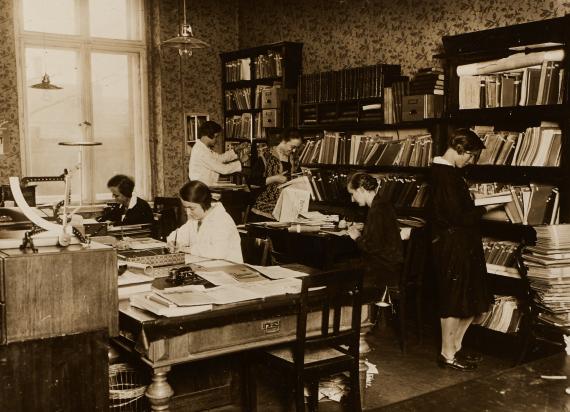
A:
[411,283]
[330,350]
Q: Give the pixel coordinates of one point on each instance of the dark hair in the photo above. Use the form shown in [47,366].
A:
[290,133]
[123,183]
[209,129]
[196,192]
[465,140]
[362,180]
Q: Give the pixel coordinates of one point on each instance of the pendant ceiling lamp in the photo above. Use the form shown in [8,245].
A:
[185,42]
[45,84]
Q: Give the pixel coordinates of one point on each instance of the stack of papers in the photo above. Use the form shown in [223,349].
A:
[548,271]
[131,282]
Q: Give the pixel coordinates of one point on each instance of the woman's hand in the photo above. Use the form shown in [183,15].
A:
[280,178]
[353,232]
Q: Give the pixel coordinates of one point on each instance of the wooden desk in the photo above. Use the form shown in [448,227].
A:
[316,249]
[164,342]
[517,389]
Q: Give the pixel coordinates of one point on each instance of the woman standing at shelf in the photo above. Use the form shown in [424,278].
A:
[379,241]
[272,169]
[210,231]
[457,249]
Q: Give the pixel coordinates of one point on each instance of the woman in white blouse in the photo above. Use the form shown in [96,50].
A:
[210,231]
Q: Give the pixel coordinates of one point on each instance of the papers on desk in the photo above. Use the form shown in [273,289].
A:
[214,263]
[153,303]
[277,272]
[145,243]
[130,283]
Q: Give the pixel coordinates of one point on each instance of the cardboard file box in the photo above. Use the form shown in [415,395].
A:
[422,106]
[271,97]
[271,118]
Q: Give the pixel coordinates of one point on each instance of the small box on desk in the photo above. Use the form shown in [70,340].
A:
[422,106]
[271,118]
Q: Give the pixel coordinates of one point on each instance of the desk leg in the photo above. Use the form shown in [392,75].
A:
[364,348]
[159,391]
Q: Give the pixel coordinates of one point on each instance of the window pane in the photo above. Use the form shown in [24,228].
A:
[114,89]
[115,19]
[50,16]
[52,115]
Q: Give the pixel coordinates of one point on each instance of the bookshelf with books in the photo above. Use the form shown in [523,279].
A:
[510,85]
[251,75]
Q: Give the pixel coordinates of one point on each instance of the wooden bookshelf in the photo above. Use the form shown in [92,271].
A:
[487,45]
[277,63]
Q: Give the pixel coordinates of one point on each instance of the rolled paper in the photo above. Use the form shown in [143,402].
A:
[512,62]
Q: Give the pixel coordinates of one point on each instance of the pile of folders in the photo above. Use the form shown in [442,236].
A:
[548,271]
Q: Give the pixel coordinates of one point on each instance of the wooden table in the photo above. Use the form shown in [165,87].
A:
[163,342]
[517,389]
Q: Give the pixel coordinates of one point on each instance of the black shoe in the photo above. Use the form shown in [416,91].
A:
[455,363]
[467,356]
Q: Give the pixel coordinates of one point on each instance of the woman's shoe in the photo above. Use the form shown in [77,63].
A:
[467,356]
[455,363]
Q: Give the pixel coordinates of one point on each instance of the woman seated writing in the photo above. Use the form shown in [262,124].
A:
[271,170]
[210,231]
[379,241]
[131,210]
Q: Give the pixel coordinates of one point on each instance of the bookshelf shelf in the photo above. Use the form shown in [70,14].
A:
[370,125]
[514,174]
[371,169]
[523,115]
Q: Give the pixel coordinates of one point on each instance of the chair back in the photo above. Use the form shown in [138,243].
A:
[328,293]
[415,259]
[170,216]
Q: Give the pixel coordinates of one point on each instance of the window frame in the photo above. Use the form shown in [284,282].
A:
[86,45]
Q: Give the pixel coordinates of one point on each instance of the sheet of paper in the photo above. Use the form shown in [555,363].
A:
[130,278]
[218,277]
[214,263]
[187,298]
[146,243]
[222,295]
[278,272]
[193,258]
[274,287]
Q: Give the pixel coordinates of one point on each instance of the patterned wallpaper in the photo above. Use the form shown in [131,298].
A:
[10,160]
[345,33]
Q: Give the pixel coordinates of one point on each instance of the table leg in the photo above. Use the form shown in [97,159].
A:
[364,348]
[159,391]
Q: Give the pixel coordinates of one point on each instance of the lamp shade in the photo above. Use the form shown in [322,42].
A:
[45,84]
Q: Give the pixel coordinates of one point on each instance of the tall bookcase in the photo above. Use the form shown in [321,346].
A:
[517,114]
[340,112]
[245,72]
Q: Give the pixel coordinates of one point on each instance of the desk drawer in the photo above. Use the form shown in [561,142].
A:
[206,343]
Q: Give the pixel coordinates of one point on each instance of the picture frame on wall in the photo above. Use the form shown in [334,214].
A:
[192,122]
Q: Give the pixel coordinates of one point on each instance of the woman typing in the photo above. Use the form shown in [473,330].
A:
[210,231]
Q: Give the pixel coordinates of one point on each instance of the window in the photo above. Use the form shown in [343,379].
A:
[95,51]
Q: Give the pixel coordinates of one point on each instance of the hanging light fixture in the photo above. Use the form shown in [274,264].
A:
[45,84]
[185,42]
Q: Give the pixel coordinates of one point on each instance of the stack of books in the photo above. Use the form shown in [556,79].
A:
[548,271]
[428,80]
[500,256]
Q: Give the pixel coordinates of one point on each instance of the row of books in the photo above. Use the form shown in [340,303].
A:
[548,272]
[327,185]
[393,100]
[535,204]
[347,84]
[260,147]
[500,252]
[369,150]
[536,85]
[238,99]
[403,191]
[240,126]
[237,70]
[536,146]
[269,65]
[427,81]
[504,316]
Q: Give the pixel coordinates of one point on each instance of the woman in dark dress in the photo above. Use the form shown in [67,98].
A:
[131,210]
[379,242]
[272,169]
[457,248]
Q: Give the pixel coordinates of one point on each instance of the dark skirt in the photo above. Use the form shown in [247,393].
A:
[461,273]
